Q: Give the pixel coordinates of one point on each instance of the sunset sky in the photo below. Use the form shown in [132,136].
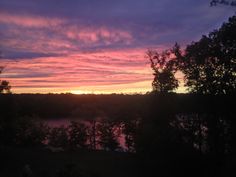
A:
[95,46]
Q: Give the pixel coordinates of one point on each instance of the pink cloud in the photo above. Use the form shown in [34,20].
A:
[98,72]
[29,21]
[98,34]
[60,39]
[111,71]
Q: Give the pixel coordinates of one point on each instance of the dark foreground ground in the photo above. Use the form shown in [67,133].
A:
[81,163]
[14,162]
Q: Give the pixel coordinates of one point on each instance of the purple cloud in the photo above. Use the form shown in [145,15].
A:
[95,35]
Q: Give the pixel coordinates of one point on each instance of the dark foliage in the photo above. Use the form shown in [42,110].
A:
[172,135]
[223,2]
[23,131]
[209,65]
[58,137]
[30,131]
[78,135]
[169,134]
[164,71]
[108,135]
[130,130]
[4,85]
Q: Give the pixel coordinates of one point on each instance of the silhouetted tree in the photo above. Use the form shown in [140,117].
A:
[23,131]
[209,65]
[4,85]
[8,130]
[58,137]
[164,71]
[223,2]
[90,113]
[130,130]
[193,130]
[30,131]
[108,138]
[218,135]
[78,134]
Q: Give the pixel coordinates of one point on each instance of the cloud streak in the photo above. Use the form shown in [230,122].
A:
[79,70]
[29,21]
[60,45]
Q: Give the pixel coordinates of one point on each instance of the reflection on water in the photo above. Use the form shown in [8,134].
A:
[66,121]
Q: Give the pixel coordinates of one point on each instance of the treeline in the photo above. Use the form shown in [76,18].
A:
[115,106]
[208,65]
[106,122]
[189,136]
[181,112]
[168,132]
[55,106]
[176,134]
[102,134]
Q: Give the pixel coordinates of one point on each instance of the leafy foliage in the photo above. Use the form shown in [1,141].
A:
[58,137]
[107,131]
[30,131]
[209,65]
[78,134]
[23,131]
[130,130]
[4,85]
[164,70]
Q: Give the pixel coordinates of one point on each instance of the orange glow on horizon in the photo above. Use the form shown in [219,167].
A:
[82,73]
[96,72]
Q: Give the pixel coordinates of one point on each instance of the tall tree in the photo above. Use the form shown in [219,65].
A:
[164,71]
[30,131]
[58,137]
[108,138]
[4,85]
[130,130]
[209,65]
[77,135]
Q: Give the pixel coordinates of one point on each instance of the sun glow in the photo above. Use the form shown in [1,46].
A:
[82,73]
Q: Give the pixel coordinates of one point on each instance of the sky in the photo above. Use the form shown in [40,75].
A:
[95,46]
